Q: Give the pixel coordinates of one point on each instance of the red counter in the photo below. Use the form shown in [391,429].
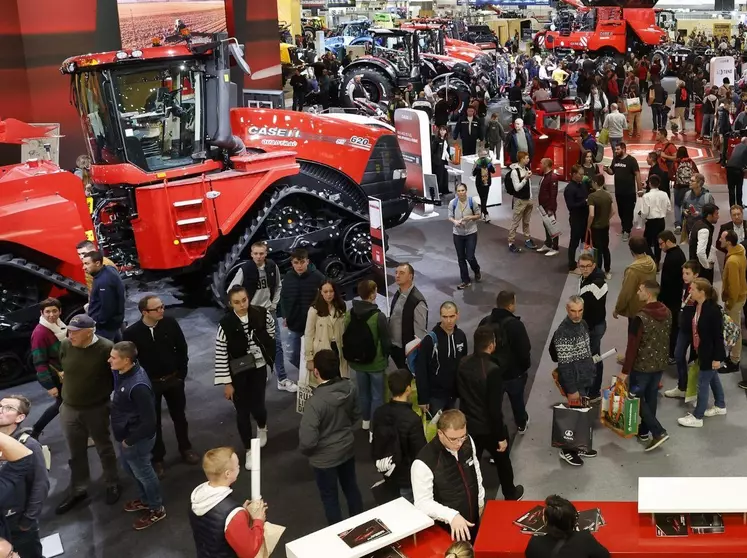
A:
[431,543]
[626,533]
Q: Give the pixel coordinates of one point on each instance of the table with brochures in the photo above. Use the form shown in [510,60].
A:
[625,532]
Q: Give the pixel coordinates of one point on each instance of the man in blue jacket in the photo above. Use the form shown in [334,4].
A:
[106,305]
[576,197]
[519,139]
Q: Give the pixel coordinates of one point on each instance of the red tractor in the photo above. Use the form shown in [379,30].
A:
[183,183]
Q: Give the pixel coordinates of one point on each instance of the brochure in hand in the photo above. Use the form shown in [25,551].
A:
[706,523]
[670,525]
[366,532]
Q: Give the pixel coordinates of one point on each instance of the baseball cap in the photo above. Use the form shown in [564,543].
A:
[81,321]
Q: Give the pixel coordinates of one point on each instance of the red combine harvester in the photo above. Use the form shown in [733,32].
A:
[606,29]
[178,193]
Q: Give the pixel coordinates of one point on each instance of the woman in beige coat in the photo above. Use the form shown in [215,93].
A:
[325,324]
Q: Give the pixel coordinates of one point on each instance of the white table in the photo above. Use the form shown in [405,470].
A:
[495,194]
[692,495]
[400,516]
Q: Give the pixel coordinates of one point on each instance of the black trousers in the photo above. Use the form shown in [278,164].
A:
[482,191]
[625,206]
[398,356]
[651,233]
[600,239]
[172,390]
[706,274]
[502,462]
[249,401]
[734,180]
[578,229]
[674,330]
[442,177]
[49,413]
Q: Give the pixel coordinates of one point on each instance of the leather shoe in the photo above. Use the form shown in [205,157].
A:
[191,457]
[113,494]
[70,501]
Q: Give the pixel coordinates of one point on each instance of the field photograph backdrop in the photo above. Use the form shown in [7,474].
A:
[142,20]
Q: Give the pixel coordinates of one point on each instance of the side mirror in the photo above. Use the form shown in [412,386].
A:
[237,53]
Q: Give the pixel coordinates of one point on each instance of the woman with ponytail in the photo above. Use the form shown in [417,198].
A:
[562,539]
[460,549]
[708,340]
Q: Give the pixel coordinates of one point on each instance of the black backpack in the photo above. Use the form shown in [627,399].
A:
[386,442]
[358,344]
[508,183]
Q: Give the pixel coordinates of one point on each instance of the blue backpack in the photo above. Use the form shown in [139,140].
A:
[453,203]
[413,349]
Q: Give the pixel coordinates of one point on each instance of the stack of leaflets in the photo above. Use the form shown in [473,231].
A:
[365,532]
[706,523]
[670,525]
[533,522]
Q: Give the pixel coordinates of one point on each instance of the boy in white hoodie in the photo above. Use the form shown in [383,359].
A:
[220,525]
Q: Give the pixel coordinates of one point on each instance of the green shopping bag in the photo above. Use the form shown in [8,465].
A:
[604,136]
[693,371]
[429,428]
[619,410]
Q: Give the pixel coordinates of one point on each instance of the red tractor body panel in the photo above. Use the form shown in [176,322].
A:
[344,146]
[178,220]
[35,195]
[126,173]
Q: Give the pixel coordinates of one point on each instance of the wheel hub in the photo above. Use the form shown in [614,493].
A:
[289,220]
[356,245]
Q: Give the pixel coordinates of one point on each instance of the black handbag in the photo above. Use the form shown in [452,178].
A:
[242,364]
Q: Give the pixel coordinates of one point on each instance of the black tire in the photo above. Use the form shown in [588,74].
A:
[378,84]
[457,95]
[664,57]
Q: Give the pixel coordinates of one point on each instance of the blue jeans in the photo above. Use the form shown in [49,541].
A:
[136,462]
[370,391]
[680,357]
[595,340]
[679,197]
[293,349]
[279,357]
[514,387]
[436,404]
[645,385]
[465,249]
[708,379]
[326,481]
[614,142]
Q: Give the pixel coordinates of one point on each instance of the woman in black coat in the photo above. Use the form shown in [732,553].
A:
[562,539]
[708,340]
[440,158]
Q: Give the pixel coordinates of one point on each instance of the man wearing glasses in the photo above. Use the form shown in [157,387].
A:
[163,353]
[23,508]
[446,478]
[592,289]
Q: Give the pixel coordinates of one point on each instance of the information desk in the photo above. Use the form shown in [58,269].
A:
[495,193]
[626,533]
[692,495]
[431,543]
[400,516]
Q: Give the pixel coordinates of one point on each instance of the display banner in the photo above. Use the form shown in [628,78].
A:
[722,67]
[414,138]
[340,3]
[305,4]
[722,29]
[378,256]
[511,3]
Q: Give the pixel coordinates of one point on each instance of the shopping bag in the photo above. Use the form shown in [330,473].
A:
[457,159]
[633,105]
[272,537]
[619,410]
[589,247]
[556,379]
[550,223]
[693,371]
[305,389]
[430,427]
[638,220]
[604,136]
[572,427]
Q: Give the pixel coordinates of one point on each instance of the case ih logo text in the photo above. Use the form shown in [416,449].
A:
[277,132]
[361,143]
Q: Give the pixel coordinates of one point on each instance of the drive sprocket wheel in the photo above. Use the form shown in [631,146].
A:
[292,218]
[11,368]
[356,245]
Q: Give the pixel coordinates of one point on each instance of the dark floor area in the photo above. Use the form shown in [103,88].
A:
[98,530]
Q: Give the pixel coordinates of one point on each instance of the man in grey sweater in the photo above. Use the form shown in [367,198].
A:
[616,124]
[326,436]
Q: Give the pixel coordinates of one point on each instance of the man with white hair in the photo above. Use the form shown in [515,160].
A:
[518,140]
[355,89]
[615,123]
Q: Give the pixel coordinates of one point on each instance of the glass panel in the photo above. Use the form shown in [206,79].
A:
[160,114]
[96,118]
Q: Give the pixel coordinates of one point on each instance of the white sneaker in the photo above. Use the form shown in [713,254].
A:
[675,393]
[366,424]
[608,276]
[715,411]
[287,385]
[248,464]
[543,248]
[691,421]
[262,435]
[551,253]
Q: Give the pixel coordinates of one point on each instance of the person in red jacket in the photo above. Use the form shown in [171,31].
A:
[613,89]
[220,525]
[548,201]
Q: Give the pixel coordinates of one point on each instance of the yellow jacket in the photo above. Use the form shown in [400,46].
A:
[734,276]
[642,269]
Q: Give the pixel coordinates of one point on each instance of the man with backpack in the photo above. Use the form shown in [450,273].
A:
[398,436]
[512,353]
[409,316]
[666,156]
[436,364]
[518,185]
[463,214]
[366,346]
[589,143]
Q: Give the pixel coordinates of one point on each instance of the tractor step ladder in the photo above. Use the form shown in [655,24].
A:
[191,223]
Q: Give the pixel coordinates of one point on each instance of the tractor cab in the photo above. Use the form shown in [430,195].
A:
[401,49]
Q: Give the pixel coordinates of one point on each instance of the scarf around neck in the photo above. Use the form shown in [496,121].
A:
[59,329]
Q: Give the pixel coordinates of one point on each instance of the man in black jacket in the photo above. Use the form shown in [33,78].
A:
[22,511]
[20,461]
[398,435]
[592,288]
[512,354]
[300,286]
[470,130]
[106,305]
[672,284]
[576,199]
[163,353]
[436,366]
[481,399]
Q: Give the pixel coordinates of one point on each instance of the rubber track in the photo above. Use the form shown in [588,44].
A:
[8,261]
[326,179]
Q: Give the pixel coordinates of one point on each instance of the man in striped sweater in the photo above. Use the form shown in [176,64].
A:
[244,348]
